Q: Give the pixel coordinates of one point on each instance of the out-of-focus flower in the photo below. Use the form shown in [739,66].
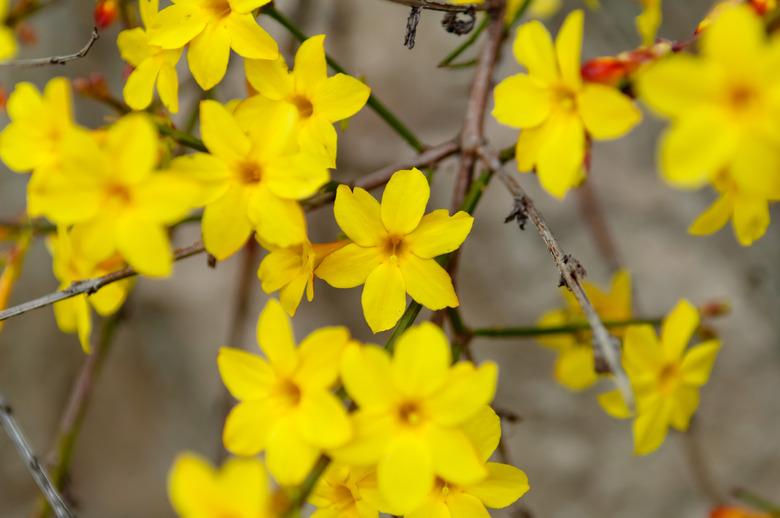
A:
[346,492]
[736,512]
[8,45]
[105,13]
[393,248]
[648,22]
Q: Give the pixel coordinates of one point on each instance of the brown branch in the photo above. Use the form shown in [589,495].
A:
[606,349]
[90,286]
[54,60]
[37,471]
[441,6]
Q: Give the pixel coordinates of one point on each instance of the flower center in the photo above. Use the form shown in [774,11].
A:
[668,377]
[394,245]
[565,98]
[250,172]
[118,192]
[343,497]
[218,8]
[742,98]
[290,392]
[305,107]
[410,413]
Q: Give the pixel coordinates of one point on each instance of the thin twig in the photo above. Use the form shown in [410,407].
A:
[532,331]
[37,471]
[78,403]
[441,6]
[606,349]
[54,60]
[90,286]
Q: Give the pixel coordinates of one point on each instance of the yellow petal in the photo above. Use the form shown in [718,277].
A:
[528,146]
[132,143]
[574,368]
[735,39]
[145,246]
[246,375]
[279,268]
[226,225]
[148,10]
[521,102]
[275,336]
[358,215]
[176,25]
[428,283]
[714,218]
[246,6]
[484,432]
[676,84]
[208,55]
[310,66]
[277,220]
[686,401]
[561,156]
[612,403]
[466,391]
[109,299]
[289,458]
[756,168]
[404,201]
[607,113]
[439,233]
[243,484]
[269,77]
[59,102]
[642,353]
[533,48]
[339,97]
[694,149]
[221,133]
[421,360]
[320,355]
[503,486]
[384,296]
[167,197]
[8,45]
[322,420]
[698,362]
[349,266]
[191,483]
[296,177]
[405,473]
[454,458]
[568,47]
[678,328]
[463,505]
[247,427]
[364,372]
[168,86]
[134,46]
[751,219]
[650,428]
[248,39]
[430,508]
[291,294]
[276,136]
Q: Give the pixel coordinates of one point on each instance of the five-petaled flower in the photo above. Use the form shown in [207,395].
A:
[239,489]
[555,109]
[393,248]
[153,64]
[286,407]
[255,171]
[411,411]
[319,100]
[346,492]
[212,28]
[574,367]
[665,376]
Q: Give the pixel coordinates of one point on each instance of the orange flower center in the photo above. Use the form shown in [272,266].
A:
[410,413]
[668,377]
[565,98]
[343,497]
[118,192]
[394,245]
[218,8]
[290,392]
[250,172]
[304,105]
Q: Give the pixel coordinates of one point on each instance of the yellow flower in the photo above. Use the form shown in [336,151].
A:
[109,190]
[256,172]
[239,489]
[8,46]
[39,124]
[665,377]
[346,492]
[285,405]
[574,367]
[411,410]
[749,212]
[290,270]
[212,28]
[152,63]
[555,108]
[73,315]
[393,248]
[319,100]
[648,21]
[724,106]
[502,486]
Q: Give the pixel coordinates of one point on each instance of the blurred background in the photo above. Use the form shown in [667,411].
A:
[160,393]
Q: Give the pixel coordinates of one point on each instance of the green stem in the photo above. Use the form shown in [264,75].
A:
[529,331]
[373,102]
[757,502]
[183,138]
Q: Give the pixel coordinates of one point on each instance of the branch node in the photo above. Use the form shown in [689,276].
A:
[454,24]
[519,212]
[411,27]
[576,270]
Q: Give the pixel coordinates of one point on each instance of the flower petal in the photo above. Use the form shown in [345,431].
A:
[503,486]
[191,483]
[384,296]
[421,360]
[168,87]
[275,336]
[322,420]
[139,87]
[484,432]
[678,328]
[246,375]
[226,226]
[248,39]
[651,426]
[404,201]
[675,84]
[276,220]
[358,215]
[439,233]
[349,266]
[614,405]
[310,66]
[176,25]
[247,427]
[208,55]
[698,362]
[561,156]
[714,218]
[568,47]
[288,456]
[320,357]
[464,393]
[428,283]
[607,113]
[533,48]
[641,351]
[221,133]
[463,505]
[521,102]
[339,97]
[751,219]
[365,372]
[405,473]
[145,246]
[574,368]
[454,458]
[269,77]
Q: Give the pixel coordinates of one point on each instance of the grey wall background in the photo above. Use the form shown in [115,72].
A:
[160,390]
